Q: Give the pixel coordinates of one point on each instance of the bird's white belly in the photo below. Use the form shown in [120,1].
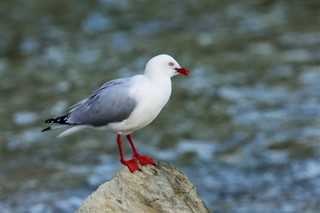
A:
[140,117]
[149,106]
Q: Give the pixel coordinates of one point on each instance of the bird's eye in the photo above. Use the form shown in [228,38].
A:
[171,64]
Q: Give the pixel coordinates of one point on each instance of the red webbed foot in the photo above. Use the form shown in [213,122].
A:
[131,164]
[144,160]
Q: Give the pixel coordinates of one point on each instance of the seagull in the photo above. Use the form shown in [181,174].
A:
[124,105]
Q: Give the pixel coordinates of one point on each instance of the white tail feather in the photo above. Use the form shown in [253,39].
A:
[72,130]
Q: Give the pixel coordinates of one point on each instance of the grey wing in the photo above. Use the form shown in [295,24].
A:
[103,87]
[110,103]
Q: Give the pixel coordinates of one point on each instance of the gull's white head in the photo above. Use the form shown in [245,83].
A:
[164,65]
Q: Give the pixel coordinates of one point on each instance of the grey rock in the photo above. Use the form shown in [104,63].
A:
[161,188]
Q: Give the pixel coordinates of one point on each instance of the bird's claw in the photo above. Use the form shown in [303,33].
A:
[144,160]
[131,164]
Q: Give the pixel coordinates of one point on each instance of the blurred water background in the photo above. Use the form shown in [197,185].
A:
[244,126]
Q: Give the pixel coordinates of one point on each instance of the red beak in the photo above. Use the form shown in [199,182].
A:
[183,71]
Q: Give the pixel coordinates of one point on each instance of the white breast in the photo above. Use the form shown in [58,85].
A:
[151,97]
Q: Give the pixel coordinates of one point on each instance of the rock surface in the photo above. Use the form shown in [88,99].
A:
[161,188]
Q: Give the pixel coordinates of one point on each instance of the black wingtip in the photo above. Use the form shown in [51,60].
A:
[59,120]
[46,129]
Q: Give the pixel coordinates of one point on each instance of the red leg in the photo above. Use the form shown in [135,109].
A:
[142,159]
[131,164]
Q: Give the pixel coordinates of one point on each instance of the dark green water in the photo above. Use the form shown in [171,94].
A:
[244,126]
